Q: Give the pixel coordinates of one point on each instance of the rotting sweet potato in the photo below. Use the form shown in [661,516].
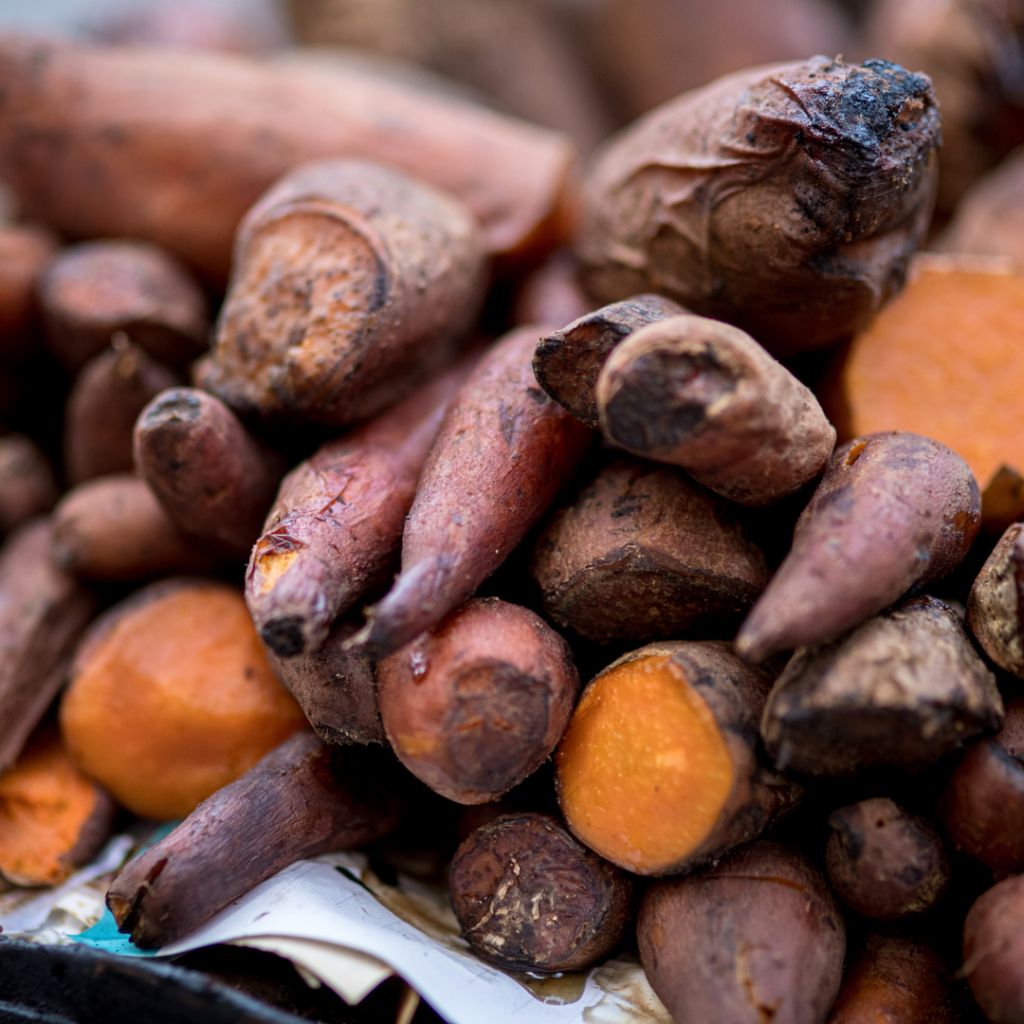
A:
[90,291]
[982,806]
[175,146]
[641,552]
[705,396]
[27,484]
[995,603]
[757,937]
[302,799]
[112,529]
[884,862]
[336,526]
[214,479]
[892,511]
[939,361]
[351,284]
[503,452]
[893,979]
[171,697]
[335,687]
[529,897]
[478,703]
[659,770]
[905,689]
[105,401]
[25,249]
[52,818]
[551,294]
[993,951]
[43,611]
[786,200]
[568,362]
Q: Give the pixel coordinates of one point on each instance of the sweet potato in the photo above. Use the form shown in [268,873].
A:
[659,769]
[171,698]
[758,937]
[27,484]
[336,527]
[214,479]
[551,294]
[786,200]
[641,553]
[90,291]
[884,862]
[502,453]
[208,133]
[105,401]
[994,951]
[568,362]
[994,604]
[895,980]
[335,687]
[972,314]
[52,818]
[982,806]
[113,529]
[903,689]
[302,799]
[351,283]
[703,395]
[531,898]
[892,511]
[25,249]
[43,611]
[478,703]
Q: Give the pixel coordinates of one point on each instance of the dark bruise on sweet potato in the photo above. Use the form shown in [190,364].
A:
[883,862]
[757,937]
[503,452]
[214,479]
[893,510]
[996,602]
[336,527]
[642,552]
[756,199]
[478,703]
[903,689]
[351,284]
[303,799]
[529,897]
[27,484]
[705,396]
[105,401]
[92,290]
[993,951]
[568,362]
[683,717]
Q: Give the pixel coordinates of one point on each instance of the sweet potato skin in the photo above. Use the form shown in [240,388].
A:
[993,951]
[502,453]
[351,283]
[755,199]
[25,249]
[892,510]
[27,484]
[214,479]
[551,294]
[994,604]
[758,936]
[642,553]
[186,180]
[567,362]
[531,898]
[303,799]
[703,395]
[905,688]
[478,703]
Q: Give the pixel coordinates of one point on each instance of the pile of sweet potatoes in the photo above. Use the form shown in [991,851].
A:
[409,470]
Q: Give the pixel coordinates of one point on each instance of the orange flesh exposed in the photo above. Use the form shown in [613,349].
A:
[643,770]
[944,359]
[44,804]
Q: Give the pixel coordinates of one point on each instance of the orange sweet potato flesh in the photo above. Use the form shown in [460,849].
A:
[944,360]
[52,818]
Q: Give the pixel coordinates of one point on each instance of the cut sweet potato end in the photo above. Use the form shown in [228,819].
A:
[944,360]
[45,804]
[643,770]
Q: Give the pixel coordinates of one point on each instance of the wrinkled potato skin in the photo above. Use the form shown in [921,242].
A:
[994,606]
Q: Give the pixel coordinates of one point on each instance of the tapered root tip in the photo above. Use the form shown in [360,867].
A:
[752,647]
